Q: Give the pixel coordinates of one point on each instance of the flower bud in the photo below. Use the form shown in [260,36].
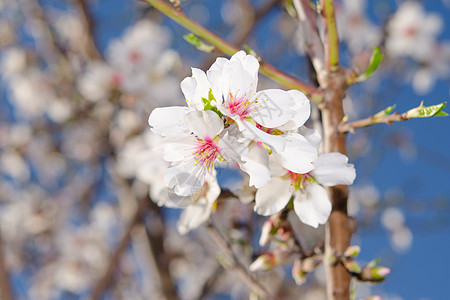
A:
[264,262]
[352,266]
[379,273]
[267,232]
[352,251]
[297,272]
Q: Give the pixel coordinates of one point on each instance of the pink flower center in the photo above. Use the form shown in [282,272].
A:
[411,31]
[116,80]
[206,152]
[135,56]
[239,106]
[299,181]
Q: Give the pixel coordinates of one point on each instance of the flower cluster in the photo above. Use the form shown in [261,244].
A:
[261,133]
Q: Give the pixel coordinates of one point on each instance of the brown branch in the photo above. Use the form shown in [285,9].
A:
[313,44]
[104,281]
[389,119]
[340,226]
[236,265]
[88,25]
[5,285]
[162,259]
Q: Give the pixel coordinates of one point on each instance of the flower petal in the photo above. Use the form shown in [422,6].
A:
[168,120]
[250,131]
[205,124]
[273,108]
[256,165]
[195,88]
[312,205]
[185,178]
[273,197]
[298,155]
[332,169]
[193,216]
[302,109]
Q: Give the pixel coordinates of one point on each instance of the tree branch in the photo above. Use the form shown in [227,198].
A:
[313,44]
[389,119]
[237,266]
[331,36]
[88,24]
[5,286]
[229,49]
[117,254]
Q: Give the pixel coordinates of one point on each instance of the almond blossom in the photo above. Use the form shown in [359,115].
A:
[412,32]
[310,199]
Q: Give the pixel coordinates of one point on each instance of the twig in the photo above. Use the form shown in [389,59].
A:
[237,266]
[313,44]
[331,36]
[225,47]
[117,254]
[88,24]
[162,259]
[5,285]
[389,119]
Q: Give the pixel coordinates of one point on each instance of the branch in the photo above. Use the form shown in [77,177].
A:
[385,116]
[162,259]
[313,43]
[331,36]
[5,285]
[237,266]
[117,254]
[389,119]
[229,49]
[88,24]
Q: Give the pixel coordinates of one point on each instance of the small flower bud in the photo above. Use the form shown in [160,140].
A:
[267,232]
[352,266]
[297,272]
[264,262]
[309,264]
[379,273]
[352,251]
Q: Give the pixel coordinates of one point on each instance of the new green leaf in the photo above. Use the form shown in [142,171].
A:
[198,43]
[427,111]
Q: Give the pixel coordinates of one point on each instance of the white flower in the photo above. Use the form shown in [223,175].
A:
[139,48]
[355,27]
[310,201]
[412,32]
[99,81]
[192,155]
[229,87]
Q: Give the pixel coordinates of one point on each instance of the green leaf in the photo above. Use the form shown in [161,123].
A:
[207,103]
[385,112]
[251,52]
[375,61]
[373,263]
[427,111]
[198,43]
